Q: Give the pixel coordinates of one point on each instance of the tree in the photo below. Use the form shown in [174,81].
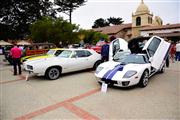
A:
[19,14]
[103,22]
[5,30]
[100,23]
[67,6]
[52,30]
[115,21]
[91,36]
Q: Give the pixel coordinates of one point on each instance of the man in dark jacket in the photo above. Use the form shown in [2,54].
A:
[105,52]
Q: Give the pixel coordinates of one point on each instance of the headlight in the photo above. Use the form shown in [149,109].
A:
[98,69]
[129,74]
[29,67]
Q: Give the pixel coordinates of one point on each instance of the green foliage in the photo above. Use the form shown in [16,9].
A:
[115,21]
[56,30]
[53,30]
[67,6]
[92,37]
[103,22]
[100,23]
[17,15]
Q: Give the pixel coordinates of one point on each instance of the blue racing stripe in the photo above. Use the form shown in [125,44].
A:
[109,74]
[114,71]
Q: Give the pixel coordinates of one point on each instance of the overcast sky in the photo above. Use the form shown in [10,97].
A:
[168,10]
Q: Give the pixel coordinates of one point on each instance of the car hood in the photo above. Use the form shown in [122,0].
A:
[117,70]
[34,57]
[111,65]
[40,57]
[42,60]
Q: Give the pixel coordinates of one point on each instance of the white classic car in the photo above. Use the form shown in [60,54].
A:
[68,60]
[131,69]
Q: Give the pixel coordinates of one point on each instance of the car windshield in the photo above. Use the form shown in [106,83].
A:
[133,58]
[50,52]
[120,55]
[65,53]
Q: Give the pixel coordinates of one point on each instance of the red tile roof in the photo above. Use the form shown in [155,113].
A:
[167,34]
[170,26]
[113,29]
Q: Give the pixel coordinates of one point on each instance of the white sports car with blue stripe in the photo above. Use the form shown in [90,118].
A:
[130,69]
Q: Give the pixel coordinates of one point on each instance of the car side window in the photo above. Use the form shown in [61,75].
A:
[74,55]
[115,46]
[58,52]
[82,53]
[88,53]
[65,54]
[153,46]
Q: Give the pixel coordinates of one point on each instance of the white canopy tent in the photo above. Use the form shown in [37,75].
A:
[23,43]
[3,43]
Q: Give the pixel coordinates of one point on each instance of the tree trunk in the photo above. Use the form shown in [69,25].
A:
[70,15]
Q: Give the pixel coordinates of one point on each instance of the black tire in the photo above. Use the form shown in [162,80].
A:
[144,79]
[162,69]
[53,73]
[97,63]
[10,61]
[100,83]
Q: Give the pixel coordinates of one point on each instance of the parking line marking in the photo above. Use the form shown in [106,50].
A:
[80,112]
[57,105]
[4,82]
[83,95]
[21,77]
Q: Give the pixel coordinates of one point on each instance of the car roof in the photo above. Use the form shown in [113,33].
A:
[56,49]
[70,49]
[137,54]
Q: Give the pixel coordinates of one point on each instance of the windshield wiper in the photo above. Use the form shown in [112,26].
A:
[122,63]
[115,59]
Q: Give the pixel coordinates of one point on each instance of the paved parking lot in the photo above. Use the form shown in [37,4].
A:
[78,96]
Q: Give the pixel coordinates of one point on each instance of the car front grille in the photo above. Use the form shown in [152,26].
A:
[108,81]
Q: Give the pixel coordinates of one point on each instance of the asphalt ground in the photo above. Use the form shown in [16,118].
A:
[77,96]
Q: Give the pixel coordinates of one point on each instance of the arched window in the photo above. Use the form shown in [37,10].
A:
[149,21]
[138,21]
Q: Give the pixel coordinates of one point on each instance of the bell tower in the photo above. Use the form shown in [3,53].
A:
[142,17]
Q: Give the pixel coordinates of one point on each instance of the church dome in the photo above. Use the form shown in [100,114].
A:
[142,8]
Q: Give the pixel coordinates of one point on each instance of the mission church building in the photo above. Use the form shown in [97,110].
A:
[144,24]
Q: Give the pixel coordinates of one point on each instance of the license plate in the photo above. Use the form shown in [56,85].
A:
[119,82]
